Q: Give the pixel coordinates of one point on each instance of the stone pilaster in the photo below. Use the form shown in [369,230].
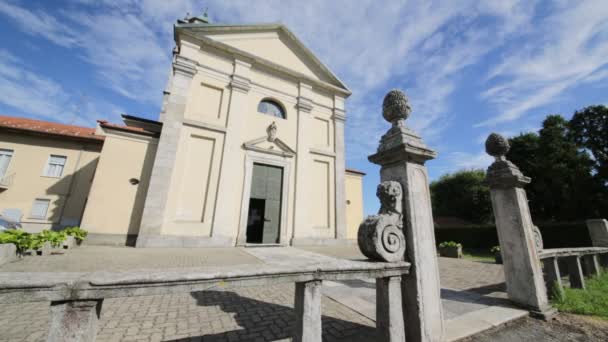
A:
[226,223]
[523,272]
[402,155]
[339,117]
[173,113]
[301,223]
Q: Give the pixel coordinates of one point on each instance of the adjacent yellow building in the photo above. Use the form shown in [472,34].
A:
[248,149]
[46,171]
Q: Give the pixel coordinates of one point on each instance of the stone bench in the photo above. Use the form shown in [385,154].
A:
[581,261]
[76,298]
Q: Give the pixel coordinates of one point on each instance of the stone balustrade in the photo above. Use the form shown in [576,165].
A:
[76,298]
[581,262]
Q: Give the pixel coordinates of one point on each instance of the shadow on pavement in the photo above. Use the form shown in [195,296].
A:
[262,321]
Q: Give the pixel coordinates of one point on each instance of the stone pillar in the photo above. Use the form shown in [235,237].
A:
[598,231]
[225,224]
[402,155]
[302,225]
[523,273]
[173,113]
[340,167]
[307,305]
[74,321]
[389,312]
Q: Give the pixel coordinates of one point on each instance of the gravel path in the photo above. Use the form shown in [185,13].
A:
[564,327]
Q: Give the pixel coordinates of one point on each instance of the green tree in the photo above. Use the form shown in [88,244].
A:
[562,187]
[524,153]
[589,129]
[462,194]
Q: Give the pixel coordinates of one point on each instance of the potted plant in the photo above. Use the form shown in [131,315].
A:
[497,254]
[450,249]
[77,233]
[19,238]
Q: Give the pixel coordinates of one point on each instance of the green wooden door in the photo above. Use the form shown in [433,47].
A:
[266,186]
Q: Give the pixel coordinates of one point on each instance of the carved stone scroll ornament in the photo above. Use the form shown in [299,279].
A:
[538,239]
[381,236]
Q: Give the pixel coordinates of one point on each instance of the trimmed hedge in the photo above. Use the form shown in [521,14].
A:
[555,235]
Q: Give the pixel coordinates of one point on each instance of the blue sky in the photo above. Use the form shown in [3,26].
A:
[469,67]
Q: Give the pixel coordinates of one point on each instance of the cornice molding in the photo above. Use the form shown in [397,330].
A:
[339,115]
[264,62]
[184,66]
[304,104]
[240,83]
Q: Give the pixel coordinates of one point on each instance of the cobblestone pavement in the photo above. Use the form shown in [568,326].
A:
[230,314]
[222,314]
[458,274]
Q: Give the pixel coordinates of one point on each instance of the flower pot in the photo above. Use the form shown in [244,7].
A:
[450,252]
[69,242]
[498,257]
[45,249]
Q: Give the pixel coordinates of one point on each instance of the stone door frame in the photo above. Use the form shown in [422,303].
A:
[283,162]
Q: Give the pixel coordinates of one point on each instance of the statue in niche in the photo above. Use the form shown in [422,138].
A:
[380,236]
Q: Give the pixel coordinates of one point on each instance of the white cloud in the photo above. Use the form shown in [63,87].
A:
[40,24]
[129,56]
[27,92]
[567,48]
[424,47]
[465,160]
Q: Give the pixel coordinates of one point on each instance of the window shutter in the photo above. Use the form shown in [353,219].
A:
[40,208]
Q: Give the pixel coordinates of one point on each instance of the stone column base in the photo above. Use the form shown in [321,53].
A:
[545,315]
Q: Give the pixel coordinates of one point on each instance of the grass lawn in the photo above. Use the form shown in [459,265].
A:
[475,254]
[592,301]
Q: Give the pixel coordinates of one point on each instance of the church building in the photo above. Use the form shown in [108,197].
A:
[248,149]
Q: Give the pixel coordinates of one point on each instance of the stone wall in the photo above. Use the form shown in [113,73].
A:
[8,253]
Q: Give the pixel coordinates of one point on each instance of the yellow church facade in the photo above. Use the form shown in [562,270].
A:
[248,149]
[251,149]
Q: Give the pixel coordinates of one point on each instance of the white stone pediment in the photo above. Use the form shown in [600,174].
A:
[274,43]
[277,147]
[270,144]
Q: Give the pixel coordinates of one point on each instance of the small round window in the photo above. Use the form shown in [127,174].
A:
[270,107]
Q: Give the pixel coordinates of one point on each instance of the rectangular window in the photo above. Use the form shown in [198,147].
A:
[54,167]
[40,208]
[5,159]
